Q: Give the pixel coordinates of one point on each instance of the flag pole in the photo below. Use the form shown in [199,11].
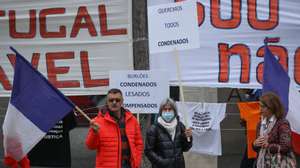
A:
[84,115]
[186,115]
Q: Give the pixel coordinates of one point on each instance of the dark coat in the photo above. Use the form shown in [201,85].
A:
[162,151]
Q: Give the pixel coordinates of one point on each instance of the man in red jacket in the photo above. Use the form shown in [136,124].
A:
[116,135]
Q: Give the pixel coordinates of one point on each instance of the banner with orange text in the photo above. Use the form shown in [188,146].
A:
[72,43]
[231,34]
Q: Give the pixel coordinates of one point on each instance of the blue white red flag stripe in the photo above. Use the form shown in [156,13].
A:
[34,108]
[276,79]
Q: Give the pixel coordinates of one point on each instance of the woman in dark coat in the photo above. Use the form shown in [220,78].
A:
[167,139]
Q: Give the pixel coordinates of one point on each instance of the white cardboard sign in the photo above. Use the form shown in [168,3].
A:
[173,26]
[143,91]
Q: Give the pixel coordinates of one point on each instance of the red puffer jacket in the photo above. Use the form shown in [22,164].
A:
[108,141]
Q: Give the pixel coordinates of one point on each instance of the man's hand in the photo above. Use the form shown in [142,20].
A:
[94,126]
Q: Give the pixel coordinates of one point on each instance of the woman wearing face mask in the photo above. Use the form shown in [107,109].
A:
[166,140]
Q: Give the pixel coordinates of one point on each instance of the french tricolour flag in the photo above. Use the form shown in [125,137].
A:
[276,79]
[35,107]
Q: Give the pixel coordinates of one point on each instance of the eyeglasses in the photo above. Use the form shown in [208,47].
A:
[114,100]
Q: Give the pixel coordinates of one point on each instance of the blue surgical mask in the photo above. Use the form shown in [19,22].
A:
[168,116]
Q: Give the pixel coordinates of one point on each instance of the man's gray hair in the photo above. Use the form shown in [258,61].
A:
[169,101]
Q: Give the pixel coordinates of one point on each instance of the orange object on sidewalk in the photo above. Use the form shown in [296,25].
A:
[249,111]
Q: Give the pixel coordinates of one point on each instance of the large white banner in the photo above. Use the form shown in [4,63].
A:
[73,43]
[143,90]
[230,52]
